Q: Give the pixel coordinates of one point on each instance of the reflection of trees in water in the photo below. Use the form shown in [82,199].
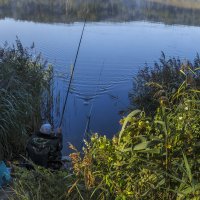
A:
[97,10]
[189,4]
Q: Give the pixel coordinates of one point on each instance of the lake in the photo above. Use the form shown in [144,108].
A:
[118,40]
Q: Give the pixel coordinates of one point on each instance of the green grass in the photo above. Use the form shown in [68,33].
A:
[40,184]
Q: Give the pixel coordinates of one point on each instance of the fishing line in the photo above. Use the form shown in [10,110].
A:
[72,74]
[91,108]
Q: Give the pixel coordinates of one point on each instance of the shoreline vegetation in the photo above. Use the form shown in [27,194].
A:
[154,156]
[25,84]
[69,11]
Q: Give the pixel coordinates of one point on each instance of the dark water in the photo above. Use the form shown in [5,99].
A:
[119,38]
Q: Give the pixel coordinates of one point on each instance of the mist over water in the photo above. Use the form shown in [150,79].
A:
[119,38]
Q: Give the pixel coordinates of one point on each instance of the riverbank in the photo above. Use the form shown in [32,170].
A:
[154,156]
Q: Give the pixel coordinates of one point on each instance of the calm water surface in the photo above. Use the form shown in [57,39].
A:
[110,55]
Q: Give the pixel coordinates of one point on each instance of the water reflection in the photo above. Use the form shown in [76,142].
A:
[64,11]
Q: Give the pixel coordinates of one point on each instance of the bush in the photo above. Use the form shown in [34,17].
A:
[151,158]
[166,76]
[23,82]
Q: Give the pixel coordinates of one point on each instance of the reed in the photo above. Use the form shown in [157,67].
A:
[24,80]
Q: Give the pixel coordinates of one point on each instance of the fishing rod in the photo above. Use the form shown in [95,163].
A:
[72,73]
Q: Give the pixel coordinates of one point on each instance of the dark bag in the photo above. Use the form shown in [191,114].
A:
[38,150]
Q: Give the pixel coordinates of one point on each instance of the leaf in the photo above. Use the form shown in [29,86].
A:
[153,151]
[154,84]
[141,146]
[162,182]
[127,150]
[142,138]
[190,189]
[188,170]
[192,71]
[182,72]
[131,115]
[163,125]
[176,179]
[195,91]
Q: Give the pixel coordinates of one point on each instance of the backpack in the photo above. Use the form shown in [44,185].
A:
[38,149]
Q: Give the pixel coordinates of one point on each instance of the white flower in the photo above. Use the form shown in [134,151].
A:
[180,118]
[186,108]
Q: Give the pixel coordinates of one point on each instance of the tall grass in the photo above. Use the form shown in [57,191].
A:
[23,81]
[40,184]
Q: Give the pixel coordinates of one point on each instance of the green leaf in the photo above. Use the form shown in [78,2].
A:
[153,151]
[131,115]
[195,91]
[188,170]
[162,182]
[141,146]
[127,150]
[163,125]
[190,190]
[182,72]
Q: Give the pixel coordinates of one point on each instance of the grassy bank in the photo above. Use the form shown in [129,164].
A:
[24,80]
[154,156]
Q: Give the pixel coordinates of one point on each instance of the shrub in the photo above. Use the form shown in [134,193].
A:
[166,76]
[151,158]
[23,81]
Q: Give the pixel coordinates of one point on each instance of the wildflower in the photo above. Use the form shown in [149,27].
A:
[115,140]
[168,146]
[141,124]
[74,157]
[72,147]
[186,108]
[180,118]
